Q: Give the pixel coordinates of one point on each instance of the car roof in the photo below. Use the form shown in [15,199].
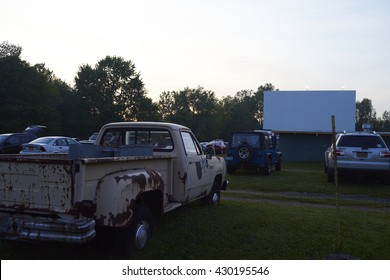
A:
[372,134]
[145,125]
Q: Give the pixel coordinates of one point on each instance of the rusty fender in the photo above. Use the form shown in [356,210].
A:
[117,192]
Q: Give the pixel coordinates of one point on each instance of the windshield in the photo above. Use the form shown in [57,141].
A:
[251,139]
[43,140]
[3,137]
[361,141]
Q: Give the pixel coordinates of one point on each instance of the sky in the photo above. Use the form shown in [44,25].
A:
[224,46]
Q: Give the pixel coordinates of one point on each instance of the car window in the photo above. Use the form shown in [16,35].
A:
[3,137]
[13,140]
[361,141]
[254,140]
[160,139]
[43,140]
[61,142]
[190,144]
[26,138]
[72,142]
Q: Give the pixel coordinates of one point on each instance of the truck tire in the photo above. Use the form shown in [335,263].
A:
[136,236]
[244,152]
[214,197]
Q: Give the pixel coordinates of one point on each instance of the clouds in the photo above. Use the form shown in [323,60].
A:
[224,46]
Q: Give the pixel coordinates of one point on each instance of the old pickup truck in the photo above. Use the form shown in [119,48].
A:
[135,172]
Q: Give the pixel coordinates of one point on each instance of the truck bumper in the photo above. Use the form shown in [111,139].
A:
[24,227]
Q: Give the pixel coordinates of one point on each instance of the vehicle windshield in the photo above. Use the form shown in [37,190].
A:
[361,141]
[3,137]
[43,140]
[251,139]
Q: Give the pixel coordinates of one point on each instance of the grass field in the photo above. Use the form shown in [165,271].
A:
[288,215]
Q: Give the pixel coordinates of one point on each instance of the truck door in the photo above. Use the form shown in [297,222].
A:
[198,168]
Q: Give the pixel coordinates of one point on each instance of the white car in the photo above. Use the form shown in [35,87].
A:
[360,153]
[49,144]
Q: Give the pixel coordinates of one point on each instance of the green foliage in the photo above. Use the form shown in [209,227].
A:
[28,96]
[194,108]
[364,113]
[113,91]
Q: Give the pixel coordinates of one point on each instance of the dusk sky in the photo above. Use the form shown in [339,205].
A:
[221,45]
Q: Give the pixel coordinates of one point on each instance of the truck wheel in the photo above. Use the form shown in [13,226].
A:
[137,235]
[244,152]
[214,197]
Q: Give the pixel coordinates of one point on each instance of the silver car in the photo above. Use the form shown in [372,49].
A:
[49,144]
[359,154]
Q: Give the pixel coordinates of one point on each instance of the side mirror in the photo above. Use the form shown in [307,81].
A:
[210,152]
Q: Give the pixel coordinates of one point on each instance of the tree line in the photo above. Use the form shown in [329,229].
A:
[113,90]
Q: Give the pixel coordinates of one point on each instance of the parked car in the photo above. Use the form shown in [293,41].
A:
[49,144]
[11,143]
[253,150]
[359,153]
[219,146]
[91,139]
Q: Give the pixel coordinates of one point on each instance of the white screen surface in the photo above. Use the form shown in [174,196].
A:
[309,111]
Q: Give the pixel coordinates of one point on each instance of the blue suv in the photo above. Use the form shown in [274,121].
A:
[254,150]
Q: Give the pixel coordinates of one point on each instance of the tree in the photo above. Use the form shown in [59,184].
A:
[194,108]
[259,101]
[364,113]
[244,111]
[7,49]
[113,91]
[28,96]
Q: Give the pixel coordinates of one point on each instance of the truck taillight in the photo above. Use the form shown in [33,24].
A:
[385,154]
[340,153]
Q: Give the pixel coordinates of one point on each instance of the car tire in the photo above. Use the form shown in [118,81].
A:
[244,152]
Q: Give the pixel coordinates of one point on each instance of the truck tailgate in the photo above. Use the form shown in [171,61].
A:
[38,184]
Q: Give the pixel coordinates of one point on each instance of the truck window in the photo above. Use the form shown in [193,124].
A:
[160,139]
[190,144]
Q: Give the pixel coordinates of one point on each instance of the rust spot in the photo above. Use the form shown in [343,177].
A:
[121,219]
[184,178]
[87,210]
[137,179]
[155,179]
